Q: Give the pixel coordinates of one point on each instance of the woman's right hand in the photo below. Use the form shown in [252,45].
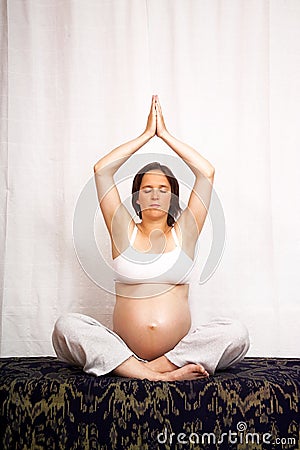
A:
[151,122]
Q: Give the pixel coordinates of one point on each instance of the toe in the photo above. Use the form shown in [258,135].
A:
[202,371]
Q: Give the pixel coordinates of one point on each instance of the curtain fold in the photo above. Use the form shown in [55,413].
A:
[3,148]
[76,81]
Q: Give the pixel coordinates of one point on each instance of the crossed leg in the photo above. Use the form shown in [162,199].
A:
[217,345]
[83,341]
[159,369]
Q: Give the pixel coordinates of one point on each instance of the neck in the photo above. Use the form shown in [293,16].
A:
[148,227]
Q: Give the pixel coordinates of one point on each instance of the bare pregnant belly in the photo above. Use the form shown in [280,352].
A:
[153,325]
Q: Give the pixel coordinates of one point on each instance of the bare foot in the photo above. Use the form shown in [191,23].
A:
[188,372]
[132,368]
[161,364]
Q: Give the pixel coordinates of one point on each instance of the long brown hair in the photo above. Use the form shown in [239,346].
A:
[174,209]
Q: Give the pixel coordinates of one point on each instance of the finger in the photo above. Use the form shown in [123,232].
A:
[154,98]
[152,101]
[158,105]
[153,104]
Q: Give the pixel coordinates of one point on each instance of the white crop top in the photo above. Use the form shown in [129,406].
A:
[134,267]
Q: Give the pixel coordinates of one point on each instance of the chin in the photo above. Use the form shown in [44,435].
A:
[155,213]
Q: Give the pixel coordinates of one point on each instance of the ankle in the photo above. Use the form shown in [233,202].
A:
[161,364]
[157,376]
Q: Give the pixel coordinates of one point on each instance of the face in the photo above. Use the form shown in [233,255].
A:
[155,194]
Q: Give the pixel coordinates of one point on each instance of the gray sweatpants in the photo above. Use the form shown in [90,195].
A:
[81,340]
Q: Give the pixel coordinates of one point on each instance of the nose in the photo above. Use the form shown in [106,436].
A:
[155,193]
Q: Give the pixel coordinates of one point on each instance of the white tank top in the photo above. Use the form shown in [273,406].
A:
[134,267]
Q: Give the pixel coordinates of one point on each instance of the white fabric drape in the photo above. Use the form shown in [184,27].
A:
[76,81]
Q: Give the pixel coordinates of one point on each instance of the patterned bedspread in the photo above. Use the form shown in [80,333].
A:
[47,404]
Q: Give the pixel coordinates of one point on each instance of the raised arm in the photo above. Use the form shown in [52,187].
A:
[193,217]
[116,216]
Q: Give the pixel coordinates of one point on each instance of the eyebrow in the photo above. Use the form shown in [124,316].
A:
[150,186]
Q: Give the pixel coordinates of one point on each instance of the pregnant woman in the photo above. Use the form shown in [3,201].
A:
[152,259]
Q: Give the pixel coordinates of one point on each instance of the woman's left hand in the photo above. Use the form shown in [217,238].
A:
[160,123]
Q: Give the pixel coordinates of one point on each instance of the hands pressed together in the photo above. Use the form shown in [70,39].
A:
[155,124]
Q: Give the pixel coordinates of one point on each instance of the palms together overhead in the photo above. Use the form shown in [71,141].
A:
[155,124]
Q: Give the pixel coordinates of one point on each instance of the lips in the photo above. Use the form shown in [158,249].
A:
[155,205]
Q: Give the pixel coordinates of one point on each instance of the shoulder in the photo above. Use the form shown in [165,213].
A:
[122,236]
[177,231]
[187,232]
[186,225]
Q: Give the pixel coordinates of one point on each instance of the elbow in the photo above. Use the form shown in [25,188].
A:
[211,173]
[97,168]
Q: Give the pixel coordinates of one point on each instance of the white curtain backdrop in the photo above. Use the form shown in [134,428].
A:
[76,81]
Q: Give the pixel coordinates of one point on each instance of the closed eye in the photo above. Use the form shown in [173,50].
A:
[162,189]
